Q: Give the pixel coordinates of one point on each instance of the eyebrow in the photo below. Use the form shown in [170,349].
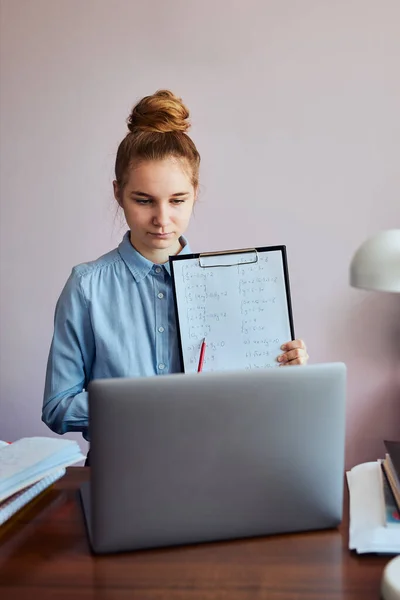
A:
[144,195]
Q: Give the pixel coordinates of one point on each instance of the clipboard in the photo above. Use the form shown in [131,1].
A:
[239,300]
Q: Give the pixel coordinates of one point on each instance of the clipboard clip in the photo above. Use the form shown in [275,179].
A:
[206,262]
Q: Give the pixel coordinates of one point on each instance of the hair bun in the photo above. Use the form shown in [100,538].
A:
[162,112]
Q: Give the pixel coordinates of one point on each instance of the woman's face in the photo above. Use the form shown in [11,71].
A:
[158,201]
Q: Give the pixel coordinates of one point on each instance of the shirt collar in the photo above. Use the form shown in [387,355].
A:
[140,266]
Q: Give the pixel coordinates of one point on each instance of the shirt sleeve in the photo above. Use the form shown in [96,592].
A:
[69,366]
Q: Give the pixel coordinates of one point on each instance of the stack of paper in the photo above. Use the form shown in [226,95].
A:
[29,466]
[368,528]
[18,500]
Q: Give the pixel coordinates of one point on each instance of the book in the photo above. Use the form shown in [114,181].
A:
[391,467]
[393,449]
[391,481]
[14,503]
[392,514]
[30,460]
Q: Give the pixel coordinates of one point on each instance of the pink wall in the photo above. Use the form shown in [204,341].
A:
[295,108]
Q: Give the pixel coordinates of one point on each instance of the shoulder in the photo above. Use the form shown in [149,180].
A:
[94,273]
[98,266]
[90,280]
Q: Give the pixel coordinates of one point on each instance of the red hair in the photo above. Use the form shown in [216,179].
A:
[157,130]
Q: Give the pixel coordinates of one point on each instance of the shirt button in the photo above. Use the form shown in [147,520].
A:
[158,269]
[160,295]
[161,366]
[161,329]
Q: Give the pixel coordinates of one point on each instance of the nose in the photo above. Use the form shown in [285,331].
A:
[161,216]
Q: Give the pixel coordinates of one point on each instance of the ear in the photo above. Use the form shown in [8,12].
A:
[117,192]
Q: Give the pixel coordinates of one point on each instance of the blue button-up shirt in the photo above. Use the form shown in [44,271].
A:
[115,318]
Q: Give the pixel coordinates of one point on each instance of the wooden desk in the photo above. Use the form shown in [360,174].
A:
[44,554]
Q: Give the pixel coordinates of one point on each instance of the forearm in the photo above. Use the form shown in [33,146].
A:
[67,412]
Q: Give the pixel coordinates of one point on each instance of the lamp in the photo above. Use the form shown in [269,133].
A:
[376,264]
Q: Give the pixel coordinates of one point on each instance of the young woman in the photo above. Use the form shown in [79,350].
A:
[115,316]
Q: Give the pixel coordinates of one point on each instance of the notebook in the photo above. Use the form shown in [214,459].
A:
[17,501]
[29,460]
[239,301]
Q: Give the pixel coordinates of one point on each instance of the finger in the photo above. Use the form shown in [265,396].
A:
[293,344]
[297,361]
[292,355]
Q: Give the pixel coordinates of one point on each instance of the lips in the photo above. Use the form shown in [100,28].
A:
[160,235]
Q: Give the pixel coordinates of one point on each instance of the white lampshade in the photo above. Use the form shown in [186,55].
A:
[390,585]
[376,264]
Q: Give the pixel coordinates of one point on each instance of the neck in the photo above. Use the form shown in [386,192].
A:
[161,256]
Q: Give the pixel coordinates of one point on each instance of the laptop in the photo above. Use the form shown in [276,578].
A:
[188,458]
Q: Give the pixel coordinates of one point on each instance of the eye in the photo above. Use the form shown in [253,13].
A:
[143,201]
[178,201]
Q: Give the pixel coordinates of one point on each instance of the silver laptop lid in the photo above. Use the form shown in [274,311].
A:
[197,457]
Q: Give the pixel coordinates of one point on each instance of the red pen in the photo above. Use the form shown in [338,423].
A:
[202,353]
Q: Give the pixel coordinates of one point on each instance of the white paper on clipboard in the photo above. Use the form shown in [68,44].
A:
[239,302]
